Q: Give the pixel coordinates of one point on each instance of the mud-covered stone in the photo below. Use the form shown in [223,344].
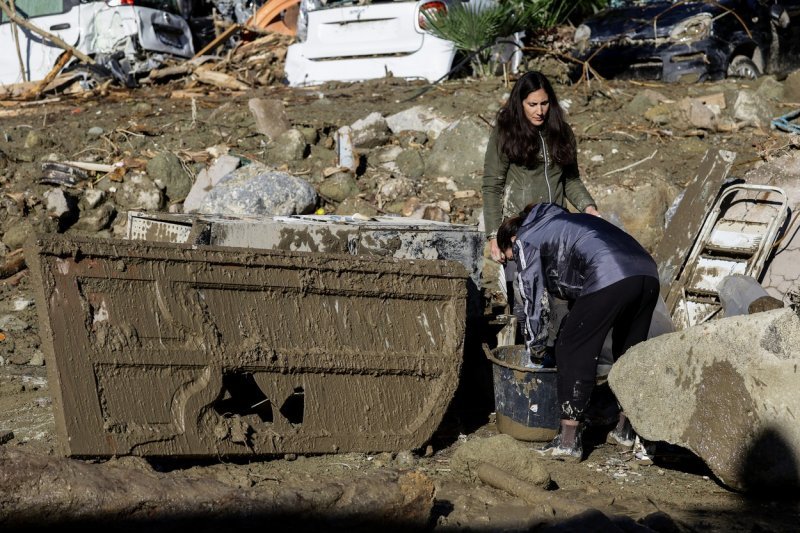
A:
[207,179]
[166,169]
[417,118]
[139,192]
[339,186]
[411,163]
[270,116]
[288,146]
[503,452]
[58,203]
[458,153]
[370,131]
[392,188]
[94,220]
[258,190]
[752,109]
[17,233]
[726,390]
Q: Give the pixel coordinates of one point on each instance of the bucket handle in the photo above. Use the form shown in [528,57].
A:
[488,353]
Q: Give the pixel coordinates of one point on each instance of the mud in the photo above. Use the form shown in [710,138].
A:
[141,123]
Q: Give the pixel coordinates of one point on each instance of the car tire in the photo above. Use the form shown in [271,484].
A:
[743,67]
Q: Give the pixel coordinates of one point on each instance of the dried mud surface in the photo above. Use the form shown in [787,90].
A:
[608,479]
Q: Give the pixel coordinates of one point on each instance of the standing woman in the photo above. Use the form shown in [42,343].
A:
[531,157]
[610,282]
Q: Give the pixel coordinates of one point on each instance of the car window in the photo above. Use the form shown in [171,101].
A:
[39,8]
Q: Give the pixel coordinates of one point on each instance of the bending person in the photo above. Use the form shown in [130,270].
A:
[609,280]
[531,157]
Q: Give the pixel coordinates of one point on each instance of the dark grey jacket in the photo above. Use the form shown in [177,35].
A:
[570,255]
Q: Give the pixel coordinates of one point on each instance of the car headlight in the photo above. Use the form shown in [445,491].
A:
[582,34]
[693,29]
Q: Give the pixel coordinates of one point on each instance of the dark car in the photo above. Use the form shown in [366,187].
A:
[690,40]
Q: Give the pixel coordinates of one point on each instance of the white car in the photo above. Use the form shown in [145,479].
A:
[347,41]
[121,35]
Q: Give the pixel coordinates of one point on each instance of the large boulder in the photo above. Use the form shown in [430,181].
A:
[637,202]
[459,152]
[728,390]
[257,190]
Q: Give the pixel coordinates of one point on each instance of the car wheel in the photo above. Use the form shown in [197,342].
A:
[743,67]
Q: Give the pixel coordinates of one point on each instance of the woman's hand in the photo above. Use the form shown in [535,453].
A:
[497,255]
[592,210]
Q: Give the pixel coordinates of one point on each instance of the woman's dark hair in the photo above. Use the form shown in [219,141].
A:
[519,139]
[510,227]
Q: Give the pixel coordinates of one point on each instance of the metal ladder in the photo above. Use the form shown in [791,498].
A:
[737,237]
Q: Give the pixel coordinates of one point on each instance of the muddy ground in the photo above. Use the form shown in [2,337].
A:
[143,122]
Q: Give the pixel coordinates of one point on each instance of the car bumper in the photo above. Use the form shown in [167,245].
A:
[703,60]
[430,62]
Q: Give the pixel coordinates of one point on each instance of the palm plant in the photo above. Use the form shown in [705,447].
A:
[476,26]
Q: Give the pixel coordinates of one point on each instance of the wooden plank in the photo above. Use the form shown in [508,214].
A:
[62,61]
[229,31]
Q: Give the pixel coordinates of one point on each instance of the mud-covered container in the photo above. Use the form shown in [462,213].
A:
[525,398]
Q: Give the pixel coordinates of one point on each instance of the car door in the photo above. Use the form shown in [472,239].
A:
[36,55]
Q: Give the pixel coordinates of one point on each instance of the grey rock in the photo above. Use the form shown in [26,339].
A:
[392,188]
[166,170]
[751,109]
[57,203]
[726,390]
[92,198]
[288,146]
[12,323]
[370,131]
[458,153]
[411,163]
[643,101]
[97,219]
[139,193]
[3,160]
[142,108]
[17,233]
[37,359]
[95,132]
[770,88]
[32,140]
[791,87]
[387,154]
[207,179]
[270,116]
[405,459]
[339,186]
[417,118]
[310,134]
[258,190]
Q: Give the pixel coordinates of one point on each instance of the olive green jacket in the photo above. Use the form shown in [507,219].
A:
[508,187]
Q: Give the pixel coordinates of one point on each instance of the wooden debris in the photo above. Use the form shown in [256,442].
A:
[220,79]
[14,262]
[62,61]
[221,38]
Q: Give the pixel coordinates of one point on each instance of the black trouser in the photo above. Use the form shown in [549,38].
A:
[627,307]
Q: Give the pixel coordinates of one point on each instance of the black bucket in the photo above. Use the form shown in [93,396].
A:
[525,398]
